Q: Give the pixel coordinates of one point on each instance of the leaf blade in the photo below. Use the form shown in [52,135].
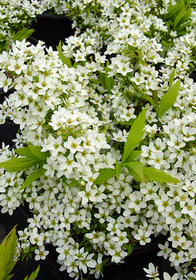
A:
[136,170]
[63,58]
[158,176]
[134,154]
[118,170]
[7,254]
[33,177]
[169,98]
[104,175]
[135,134]
[171,77]
[106,81]
[33,275]
[36,150]
[23,33]
[18,164]
[25,151]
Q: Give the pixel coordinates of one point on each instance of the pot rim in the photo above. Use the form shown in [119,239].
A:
[48,16]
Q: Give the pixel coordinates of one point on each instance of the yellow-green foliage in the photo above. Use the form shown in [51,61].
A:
[8,257]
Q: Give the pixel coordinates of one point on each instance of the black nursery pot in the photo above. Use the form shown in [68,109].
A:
[49,269]
[52,28]
[9,129]
[193,76]
[131,269]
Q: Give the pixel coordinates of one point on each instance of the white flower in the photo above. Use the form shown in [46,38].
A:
[136,202]
[152,271]
[4,82]
[98,269]
[165,250]
[190,208]
[96,237]
[87,195]
[118,255]
[73,144]
[41,253]
[36,238]
[166,276]
[176,258]
[120,136]
[80,116]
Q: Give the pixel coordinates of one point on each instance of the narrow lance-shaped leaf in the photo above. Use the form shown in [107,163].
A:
[129,248]
[133,155]
[109,82]
[158,176]
[73,183]
[182,17]
[33,152]
[136,170]
[63,58]
[104,175]
[37,152]
[18,164]
[25,151]
[7,255]
[118,169]
[33,275]
[135,135]
[106,82]
[144,96]
[169,98]
[102,79]
[130,122]
[171,77]
[23,33]
[33,177]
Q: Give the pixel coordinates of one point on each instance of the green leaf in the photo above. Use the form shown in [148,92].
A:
[150,100]
[63,58]
[33,275]
[109,82]
[144,96]
[23,33]
[178,16]
[129,248]
[118,169]
[158,176]
[104,175]
[182,17]
[73,183]
[133,155]
[166,44]
[102,79]
[171,77]
[130,122]
[33,177]
[106,82]
[18,164]
[135,134]
[36,151]
[169,98]
[25,151]
[7,255]
[33,152]
[136,170]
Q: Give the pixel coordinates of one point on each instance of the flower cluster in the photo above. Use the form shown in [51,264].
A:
[74,108]
[15,15]
[152,272]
